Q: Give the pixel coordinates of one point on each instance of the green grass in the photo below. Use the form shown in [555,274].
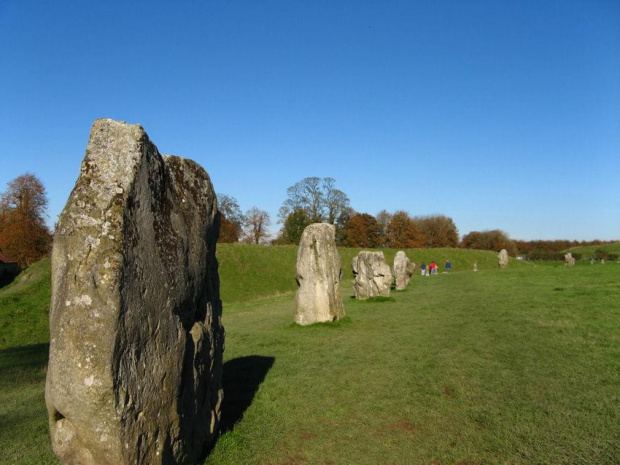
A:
[24,307]
[590,250]
[520,365]
[502,366]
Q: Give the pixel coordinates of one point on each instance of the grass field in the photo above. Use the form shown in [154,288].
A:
[589,250]
[501,366]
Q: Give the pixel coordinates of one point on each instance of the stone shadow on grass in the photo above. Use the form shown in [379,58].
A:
[241,378]
[22,365]
[14,360]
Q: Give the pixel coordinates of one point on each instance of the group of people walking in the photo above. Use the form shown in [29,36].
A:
[427,270]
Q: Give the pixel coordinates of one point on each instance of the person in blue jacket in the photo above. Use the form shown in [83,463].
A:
[423,268]
[448,266]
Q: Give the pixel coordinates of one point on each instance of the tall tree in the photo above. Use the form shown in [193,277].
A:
[384,217]
[231,226]
[341,223]
[293,227]
[23,233]
[402,232]
[335,200]
[438,230]
[318,197]
[362,230]
[256,226]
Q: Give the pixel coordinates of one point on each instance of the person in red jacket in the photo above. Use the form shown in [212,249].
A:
[433,267]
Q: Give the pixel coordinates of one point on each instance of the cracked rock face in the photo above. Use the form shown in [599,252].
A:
[373,276]
[318,298]
[135,363]
[403,270]
[502,258]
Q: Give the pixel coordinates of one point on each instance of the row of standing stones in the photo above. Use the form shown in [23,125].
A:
[136,334]
[318,274]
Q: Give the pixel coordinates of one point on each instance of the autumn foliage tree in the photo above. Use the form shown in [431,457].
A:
[231,219]
[489,240]
[402,232]
[23,233]
[437,230]
[362,230]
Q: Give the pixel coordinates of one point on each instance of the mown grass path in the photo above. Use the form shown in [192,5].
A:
[501,366]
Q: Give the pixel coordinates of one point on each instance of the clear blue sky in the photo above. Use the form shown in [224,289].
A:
[498,114]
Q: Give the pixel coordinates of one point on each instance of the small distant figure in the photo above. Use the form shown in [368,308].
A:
[433,267]
[423,269]
[475,266]
[448,266]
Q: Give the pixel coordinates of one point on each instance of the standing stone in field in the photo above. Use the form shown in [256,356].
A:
[475,266]
[135,363]
[569,259]
[502,258]
[410,269]
[373,276]
[318,298]
[403,270]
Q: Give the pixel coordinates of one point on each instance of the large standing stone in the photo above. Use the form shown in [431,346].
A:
[135,363]
[318,298]
[569,259]
[403,270]
[502,258]
[373,276]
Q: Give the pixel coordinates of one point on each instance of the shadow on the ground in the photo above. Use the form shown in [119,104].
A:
[6,280]
[241,379]
[23,358]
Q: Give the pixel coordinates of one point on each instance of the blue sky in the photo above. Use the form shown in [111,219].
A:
[498,114]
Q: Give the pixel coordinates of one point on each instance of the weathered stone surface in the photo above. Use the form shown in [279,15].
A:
[569,259]
[403,269]
[135,365]
[373,276]
[318,298]
[502,258]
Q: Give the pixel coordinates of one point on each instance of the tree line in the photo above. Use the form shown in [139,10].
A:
[317,200]
[25,237]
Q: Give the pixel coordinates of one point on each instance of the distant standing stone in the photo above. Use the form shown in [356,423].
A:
[135,363]
[502,258]
[318,298]
[403,270]
[373,276]
[475,266]
[569,259]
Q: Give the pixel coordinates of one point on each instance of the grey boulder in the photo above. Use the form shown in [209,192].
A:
[373,276]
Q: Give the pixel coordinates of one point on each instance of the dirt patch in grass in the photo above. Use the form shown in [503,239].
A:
[307,436]
[448,392]
[294,460]
[404,426]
